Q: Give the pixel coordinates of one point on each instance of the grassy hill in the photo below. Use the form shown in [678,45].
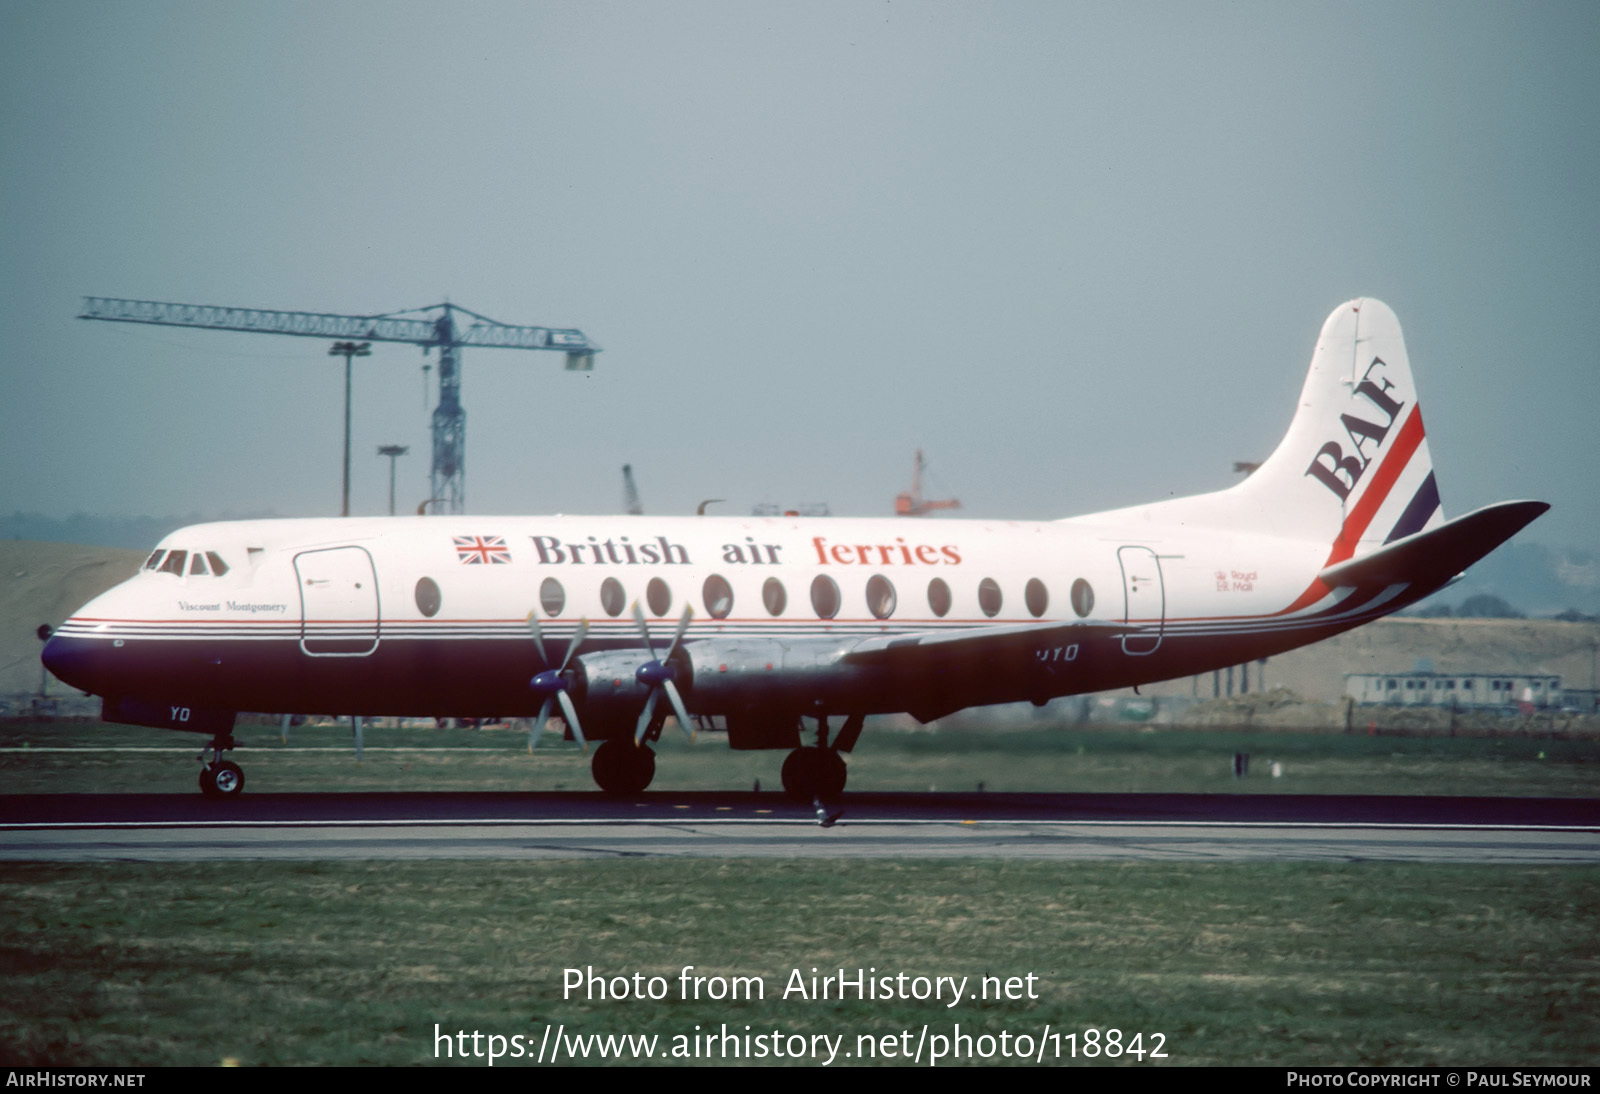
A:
[45,583]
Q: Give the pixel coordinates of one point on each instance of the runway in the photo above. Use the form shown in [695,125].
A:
[1169,827]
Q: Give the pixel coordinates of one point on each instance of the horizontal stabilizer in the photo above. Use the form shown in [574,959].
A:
[1437,555]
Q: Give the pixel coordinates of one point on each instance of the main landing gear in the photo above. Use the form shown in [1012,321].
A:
[818,773]
[220,778]
[622,768]
[813,773]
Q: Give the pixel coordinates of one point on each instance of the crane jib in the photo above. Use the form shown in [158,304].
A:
[447,484]
[378,328]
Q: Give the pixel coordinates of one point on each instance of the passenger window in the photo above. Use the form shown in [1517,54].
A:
[198,566]
[989,598]
[774,596]
[880,596]
[659,594]
[718,596]
[552,597]
[612,598]
[174,563]
[218,567]
[939,597]
[155,557]
[428,599]
[1082,598]
[824,597]
[1036,596]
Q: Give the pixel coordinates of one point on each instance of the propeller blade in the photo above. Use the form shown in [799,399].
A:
[577,640]
[572,720]
[644,629]
[645,715]
[538,638]
[553,684]
[538,724]
[677,637]
[677,708]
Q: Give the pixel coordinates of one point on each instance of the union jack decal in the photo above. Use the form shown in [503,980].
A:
[482,550]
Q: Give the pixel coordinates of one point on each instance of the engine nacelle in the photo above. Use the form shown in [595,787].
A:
[731,675]
[757,681]
[608,695]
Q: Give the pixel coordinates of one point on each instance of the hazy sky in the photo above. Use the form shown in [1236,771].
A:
[1079,253]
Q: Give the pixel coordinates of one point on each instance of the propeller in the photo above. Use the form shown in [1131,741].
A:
[552,684]
[657,675]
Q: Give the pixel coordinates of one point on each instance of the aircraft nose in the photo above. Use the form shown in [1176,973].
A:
[71,660]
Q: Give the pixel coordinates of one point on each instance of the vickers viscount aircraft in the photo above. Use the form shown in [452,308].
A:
[620,620]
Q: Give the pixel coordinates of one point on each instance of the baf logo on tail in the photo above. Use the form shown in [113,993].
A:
[1340,472]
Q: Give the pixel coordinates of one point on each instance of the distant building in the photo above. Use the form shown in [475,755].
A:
[1582,700]
[1459,689]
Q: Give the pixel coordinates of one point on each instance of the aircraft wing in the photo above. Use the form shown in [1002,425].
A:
[974,665]
[998,641]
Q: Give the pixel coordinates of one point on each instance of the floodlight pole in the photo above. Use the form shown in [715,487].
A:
[348,350]
[392,450]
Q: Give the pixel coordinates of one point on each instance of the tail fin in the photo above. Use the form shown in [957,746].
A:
[1354,468]
[1353,472]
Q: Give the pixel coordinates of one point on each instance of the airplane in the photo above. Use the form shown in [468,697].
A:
[769,621]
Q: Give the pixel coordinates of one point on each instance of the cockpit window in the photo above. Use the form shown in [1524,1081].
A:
[155,558]
[174,563]
[198,566]
[218,567]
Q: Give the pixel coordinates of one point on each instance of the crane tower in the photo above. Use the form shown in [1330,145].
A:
[433,327]
[912,503]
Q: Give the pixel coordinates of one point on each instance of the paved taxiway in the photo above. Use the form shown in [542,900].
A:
[1171,827]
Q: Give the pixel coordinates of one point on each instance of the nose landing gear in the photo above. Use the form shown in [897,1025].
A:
[220,778]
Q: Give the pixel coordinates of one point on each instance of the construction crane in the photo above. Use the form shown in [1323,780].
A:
[912,503]
[433,327]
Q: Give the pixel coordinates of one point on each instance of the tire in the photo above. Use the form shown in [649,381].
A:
[831,774]
[798,775]
[223,779]
[623,769]
[813,773]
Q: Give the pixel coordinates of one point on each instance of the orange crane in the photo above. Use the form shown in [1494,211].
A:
[912,503]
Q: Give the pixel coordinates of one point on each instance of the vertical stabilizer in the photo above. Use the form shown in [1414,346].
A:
[1354,467]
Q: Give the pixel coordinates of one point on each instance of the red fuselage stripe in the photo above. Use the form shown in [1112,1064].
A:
[1377,492]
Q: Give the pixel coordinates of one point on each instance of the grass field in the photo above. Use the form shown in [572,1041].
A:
[354,963]
[1060,759]
[271,963]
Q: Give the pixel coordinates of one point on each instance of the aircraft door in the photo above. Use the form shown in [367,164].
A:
[1144,599]
[338,602]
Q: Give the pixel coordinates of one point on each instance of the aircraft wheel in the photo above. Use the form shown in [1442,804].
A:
[831,774]
[623,768]
[813,773]
[222,780]
[798,774]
